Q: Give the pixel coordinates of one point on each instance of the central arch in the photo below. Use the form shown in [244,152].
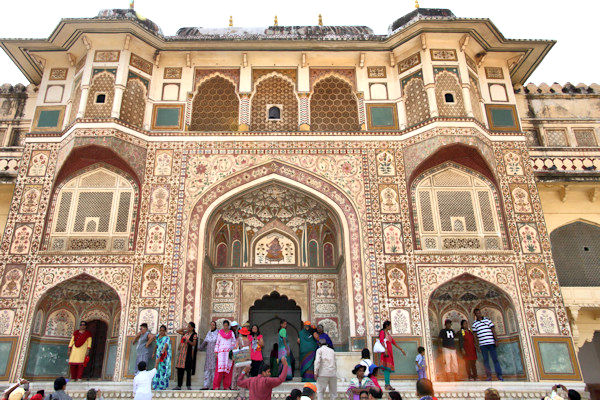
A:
[350,269]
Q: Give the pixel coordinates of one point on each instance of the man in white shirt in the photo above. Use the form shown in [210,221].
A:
[142,383]
[325,371]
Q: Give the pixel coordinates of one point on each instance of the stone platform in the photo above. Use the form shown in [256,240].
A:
[443,390]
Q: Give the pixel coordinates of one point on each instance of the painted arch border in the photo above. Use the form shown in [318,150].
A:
[503,277]
[117,278]
[277,171]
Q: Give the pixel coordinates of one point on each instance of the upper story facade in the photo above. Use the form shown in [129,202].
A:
[119,68]
[431,69]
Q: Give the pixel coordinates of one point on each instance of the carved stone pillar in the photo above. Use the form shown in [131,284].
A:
[303,111]
[244,118]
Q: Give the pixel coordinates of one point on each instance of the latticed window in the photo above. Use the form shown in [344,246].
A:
[93,212]
[456,210]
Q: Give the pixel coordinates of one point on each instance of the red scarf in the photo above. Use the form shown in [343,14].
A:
[80,337]
[227,335]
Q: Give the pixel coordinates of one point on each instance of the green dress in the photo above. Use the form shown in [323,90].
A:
[284,351]
[308,351]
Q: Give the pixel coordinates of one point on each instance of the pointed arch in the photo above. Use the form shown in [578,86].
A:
[455,208]
[102,83]
[576,251]
[133,105]
[277,171]
[488,289]
[277,90]
[215,106]
[333,105]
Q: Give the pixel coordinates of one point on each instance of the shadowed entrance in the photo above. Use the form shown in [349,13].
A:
[268,312]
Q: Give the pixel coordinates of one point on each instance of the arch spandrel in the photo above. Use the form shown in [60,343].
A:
[303,180]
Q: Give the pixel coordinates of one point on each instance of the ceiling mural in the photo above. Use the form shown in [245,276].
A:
[82,288]
[274,201]
[303,225]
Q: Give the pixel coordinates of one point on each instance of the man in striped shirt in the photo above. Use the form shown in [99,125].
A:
[486,336]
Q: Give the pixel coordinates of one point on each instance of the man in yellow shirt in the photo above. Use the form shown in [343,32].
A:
[79,348]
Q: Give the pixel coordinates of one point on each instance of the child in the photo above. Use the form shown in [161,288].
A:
[420,363]
[365,359]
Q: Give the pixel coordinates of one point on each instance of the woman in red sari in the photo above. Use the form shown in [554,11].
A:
[79,348]
[466,342]
[387,357]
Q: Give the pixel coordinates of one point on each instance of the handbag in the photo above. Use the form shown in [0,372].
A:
[241,357]
[378,347]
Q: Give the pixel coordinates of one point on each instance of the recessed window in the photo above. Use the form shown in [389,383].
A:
[449,97]
[274,113]
[100,98]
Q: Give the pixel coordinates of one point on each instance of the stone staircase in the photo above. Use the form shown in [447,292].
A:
[443,390]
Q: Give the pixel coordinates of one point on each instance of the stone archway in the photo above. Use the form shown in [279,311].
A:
[350,284]
[455,300]
[58,313]
[47,277]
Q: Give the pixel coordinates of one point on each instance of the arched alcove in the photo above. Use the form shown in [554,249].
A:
[456,300]
[58,313]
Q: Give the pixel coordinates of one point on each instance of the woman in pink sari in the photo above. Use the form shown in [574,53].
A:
[387,358]
[225,343]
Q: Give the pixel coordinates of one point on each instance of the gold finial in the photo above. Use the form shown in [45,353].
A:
[275,22]
[416,3]
[320,20]
[231,20]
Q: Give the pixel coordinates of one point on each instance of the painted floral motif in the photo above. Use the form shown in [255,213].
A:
[392,238]
[538,283]
[60,323]
[30,200]
[521,200]
[326,289]
[389,200]
[155,242]
[38,163]
[151,281]
[163,162]
[159,201]
[514,166]
[12,282]
[400,319]
[546,320]
[529,239]
[6,321]
[149,316]
[385,164]
[21,240]
[223,289]
[396,281]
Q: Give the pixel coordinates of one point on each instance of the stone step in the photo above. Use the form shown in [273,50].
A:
[443,390]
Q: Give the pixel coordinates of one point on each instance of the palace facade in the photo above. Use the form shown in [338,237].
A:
[320,173]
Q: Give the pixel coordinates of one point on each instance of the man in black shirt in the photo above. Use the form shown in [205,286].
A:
[448,350]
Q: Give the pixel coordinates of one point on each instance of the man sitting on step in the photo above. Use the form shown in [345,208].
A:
[261,386]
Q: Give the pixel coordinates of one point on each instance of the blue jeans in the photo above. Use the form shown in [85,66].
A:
[486,351]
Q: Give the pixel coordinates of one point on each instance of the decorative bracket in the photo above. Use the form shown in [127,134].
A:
[464,41]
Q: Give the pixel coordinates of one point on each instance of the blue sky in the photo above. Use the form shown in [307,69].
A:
[574,58]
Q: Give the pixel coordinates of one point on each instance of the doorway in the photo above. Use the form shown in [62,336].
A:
[268,312]
[98,329]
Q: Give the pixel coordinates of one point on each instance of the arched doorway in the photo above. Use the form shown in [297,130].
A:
[274,236]
[456,300]
[57,315]
[268,312]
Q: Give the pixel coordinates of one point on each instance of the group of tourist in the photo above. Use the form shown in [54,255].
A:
[482,335]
